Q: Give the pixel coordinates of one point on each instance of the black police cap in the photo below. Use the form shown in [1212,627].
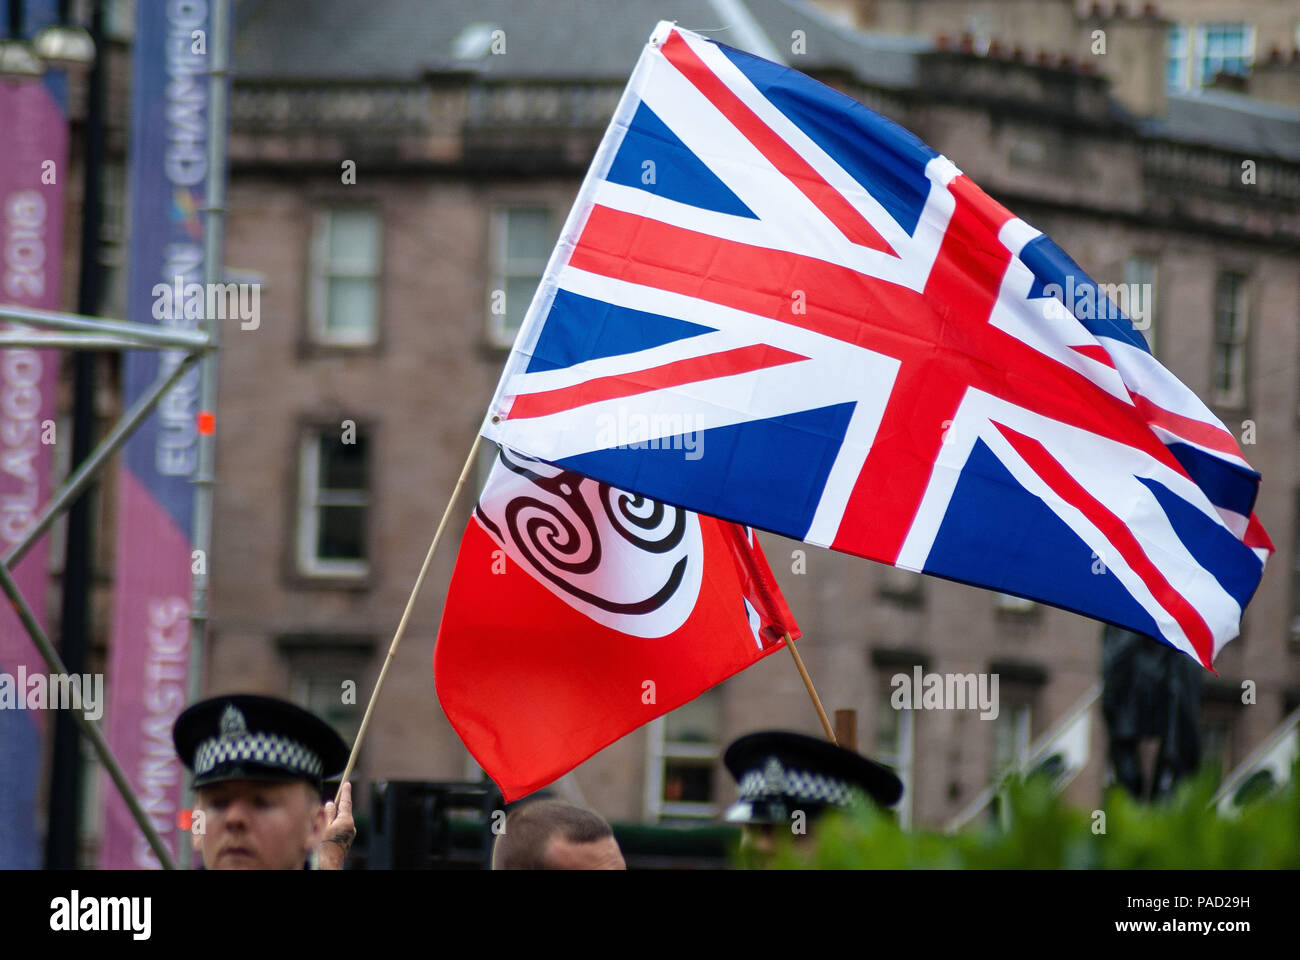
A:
[248,737]
[779,772]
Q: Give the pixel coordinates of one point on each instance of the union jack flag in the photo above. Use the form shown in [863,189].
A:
[772,305]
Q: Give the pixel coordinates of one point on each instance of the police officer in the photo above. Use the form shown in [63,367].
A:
[259,764]
[781,775]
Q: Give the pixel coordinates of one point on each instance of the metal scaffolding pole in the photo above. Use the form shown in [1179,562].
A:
[88,729]
[82,332]
[69,341]
[114,439]
[214,238]
[72,488]
[146,333]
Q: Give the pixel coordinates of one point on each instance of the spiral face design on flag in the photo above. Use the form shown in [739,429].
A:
[628,562]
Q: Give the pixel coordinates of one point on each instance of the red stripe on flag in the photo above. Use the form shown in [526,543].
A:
[967,274]
[756,356]
[987,211]
[1197,431]
[780,154]
[1094,351]
[1256,536]
[1117,532]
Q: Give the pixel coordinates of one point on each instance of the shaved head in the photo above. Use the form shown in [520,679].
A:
[554,835]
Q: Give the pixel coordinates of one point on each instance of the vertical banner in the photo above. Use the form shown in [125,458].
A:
[33,172]
[149,655]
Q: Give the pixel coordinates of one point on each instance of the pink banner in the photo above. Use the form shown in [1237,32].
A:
[149,675]
[33,169]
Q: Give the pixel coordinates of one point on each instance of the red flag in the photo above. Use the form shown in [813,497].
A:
[578,612]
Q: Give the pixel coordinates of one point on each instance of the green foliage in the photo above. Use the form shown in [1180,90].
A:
[1182,832]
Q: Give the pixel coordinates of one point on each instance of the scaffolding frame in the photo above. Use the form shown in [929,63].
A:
[198,348]
[91,333]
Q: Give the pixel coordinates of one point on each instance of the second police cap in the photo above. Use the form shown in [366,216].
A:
[249,737]
[778,772]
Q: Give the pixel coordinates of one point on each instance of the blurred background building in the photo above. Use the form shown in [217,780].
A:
[399,172]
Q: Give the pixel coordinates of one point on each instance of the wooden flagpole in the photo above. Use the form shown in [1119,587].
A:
[812,691]
[406,615]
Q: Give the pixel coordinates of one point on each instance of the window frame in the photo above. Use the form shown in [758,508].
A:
[1185,56]
[1194,51]
[1020,686]
[1238,397]
[499,263]
[306,563]
[1140,257]
[319,654]
[302,675]
[1020,705]
[1202,48]
[659,750]
[320,270]
[902,756]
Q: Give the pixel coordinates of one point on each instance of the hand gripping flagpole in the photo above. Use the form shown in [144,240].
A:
[812,691]
[406,614]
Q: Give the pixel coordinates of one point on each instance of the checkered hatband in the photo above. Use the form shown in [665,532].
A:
[796,785]
[264,748]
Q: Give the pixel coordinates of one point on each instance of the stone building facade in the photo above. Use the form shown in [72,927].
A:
[390,176]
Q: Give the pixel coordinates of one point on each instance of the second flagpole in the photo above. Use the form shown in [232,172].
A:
[812,691]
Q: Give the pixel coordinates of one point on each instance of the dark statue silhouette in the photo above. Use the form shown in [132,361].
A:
[1150,689]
